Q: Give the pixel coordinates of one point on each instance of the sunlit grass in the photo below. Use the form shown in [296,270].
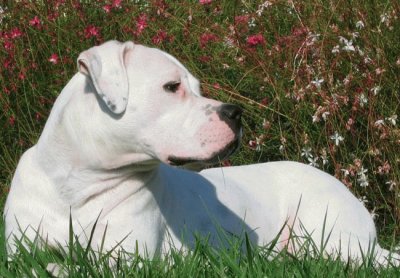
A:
[239,259]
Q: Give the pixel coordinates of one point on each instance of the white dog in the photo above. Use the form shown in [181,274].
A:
[107,149]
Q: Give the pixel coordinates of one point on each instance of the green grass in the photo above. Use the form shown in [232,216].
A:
[76,260]
[275,82]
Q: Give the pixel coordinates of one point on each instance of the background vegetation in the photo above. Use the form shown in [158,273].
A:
[319,80]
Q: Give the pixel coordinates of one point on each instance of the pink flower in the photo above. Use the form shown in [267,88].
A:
[7,63]
[22,75]
[15,33]
[11,120]
[38,116]
[35,22]
[53,16]
[252,144]
[242,19]
[116,3]
[53,58]
[107,8]
[91,31]
[205,2]
[265,101]
[255,40]
[160,37]
[385,168]
[206,38]
[205,59]
[141,24]
[216,86]
[8,45]
[7,91]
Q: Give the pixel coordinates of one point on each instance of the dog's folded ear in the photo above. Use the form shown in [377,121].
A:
[105,65]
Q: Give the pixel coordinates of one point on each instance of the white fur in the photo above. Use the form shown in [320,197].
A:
[105,151]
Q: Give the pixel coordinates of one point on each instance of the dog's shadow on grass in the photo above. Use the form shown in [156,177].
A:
[192,211]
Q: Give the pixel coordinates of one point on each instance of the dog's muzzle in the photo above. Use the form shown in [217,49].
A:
[231,115]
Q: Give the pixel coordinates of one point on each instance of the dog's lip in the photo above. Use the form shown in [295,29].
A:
[219,156]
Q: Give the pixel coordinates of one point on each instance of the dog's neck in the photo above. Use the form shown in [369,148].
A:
[80,171]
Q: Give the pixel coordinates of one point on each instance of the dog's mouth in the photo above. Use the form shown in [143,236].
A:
[217,157]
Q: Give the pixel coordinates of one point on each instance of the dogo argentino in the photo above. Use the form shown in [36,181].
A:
[108,149]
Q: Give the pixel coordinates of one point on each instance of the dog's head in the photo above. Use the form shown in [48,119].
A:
[154,106]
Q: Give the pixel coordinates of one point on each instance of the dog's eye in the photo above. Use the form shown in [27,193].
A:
[172,86]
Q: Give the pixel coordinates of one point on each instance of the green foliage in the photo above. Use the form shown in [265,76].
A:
[319,81]
[75,260]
